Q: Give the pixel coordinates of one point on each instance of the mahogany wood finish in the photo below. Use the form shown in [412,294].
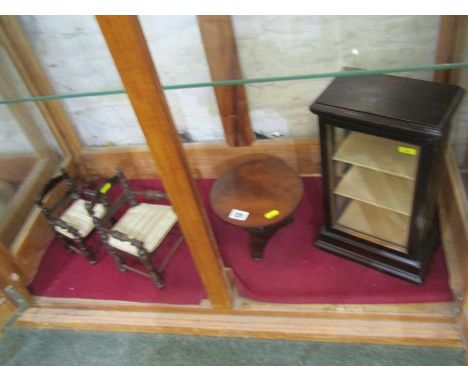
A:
[409,111]
[221,53]
[258,186]
[131,55]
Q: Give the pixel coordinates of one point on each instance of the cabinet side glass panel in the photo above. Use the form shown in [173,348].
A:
[373,181]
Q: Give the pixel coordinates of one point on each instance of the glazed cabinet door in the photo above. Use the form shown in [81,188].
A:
[370,186]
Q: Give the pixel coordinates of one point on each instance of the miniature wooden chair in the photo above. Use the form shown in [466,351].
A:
[68,216]
[139,231]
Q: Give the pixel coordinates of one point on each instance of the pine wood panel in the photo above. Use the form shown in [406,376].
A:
[453,211]
[221,52]
[412,324]
[379,154]
[376,188]
[15,168]
[376,222]
[206,160]
[450,47]
[11,274]
[131,55]
[6,310]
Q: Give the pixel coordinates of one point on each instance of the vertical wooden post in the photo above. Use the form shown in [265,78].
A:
[10,274]
[449,47]
[221,53]
[131,55]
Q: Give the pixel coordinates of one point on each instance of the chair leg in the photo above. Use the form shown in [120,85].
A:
[118,260]
[155,276]
[65,243]
[85,251]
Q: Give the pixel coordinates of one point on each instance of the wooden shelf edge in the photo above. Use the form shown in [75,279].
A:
[241,324]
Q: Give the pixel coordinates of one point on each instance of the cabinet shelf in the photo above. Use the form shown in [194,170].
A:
[377,188]
[376,222]
[379,154]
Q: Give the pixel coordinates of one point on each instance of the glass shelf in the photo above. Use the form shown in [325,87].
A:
[247,81]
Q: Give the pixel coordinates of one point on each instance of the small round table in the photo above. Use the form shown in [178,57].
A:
[259,195]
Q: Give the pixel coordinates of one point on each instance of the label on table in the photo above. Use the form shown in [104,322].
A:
[238,214]
[271,214]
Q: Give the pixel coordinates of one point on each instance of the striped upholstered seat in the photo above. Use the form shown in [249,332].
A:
[149,223]
[77,217]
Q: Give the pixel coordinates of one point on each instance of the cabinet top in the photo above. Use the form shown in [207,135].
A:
[390,100]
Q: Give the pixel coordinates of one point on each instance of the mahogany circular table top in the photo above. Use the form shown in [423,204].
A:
[267,189]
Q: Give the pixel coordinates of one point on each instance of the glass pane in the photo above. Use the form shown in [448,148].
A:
[459,134]
[72,52]
[74,55]
[29,153]
[287,45]
[373,185]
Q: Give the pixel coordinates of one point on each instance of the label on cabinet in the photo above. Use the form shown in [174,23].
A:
[407,150]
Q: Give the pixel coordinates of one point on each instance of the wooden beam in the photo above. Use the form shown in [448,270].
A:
[131,55]
[206,160]
[11,275]
[21,53]
[449,47]
[221,52]
[453,213]
[453,209]
[430,324]
[7,308]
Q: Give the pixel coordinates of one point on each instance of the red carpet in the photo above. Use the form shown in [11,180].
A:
[293,269]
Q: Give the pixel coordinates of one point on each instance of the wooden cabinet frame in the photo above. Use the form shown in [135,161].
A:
[431,324]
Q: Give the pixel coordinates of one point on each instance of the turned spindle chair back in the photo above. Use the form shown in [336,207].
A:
[68,215]
[139,231]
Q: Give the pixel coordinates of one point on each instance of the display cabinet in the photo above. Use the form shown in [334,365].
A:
[382,141]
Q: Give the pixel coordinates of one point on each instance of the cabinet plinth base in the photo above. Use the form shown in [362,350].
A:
[379,259]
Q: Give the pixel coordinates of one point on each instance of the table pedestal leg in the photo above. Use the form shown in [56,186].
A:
[259,237]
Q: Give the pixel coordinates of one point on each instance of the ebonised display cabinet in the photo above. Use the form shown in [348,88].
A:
[382,141]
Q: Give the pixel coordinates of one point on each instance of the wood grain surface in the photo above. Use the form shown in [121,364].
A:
[131,55]
[257,186]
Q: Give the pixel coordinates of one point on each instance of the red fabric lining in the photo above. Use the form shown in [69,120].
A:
[293,269]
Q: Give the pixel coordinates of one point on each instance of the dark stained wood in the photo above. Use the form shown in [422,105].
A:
[449,47]
[419,115]
[267,189]
[128,47]
[418,106]
[221,53]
